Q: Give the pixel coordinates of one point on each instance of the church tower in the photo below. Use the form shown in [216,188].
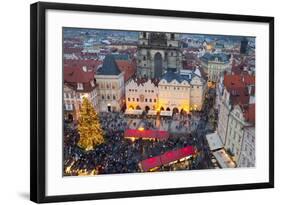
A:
[157,53]
[244,46]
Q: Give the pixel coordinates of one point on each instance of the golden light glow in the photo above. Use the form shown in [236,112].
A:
[209,47]
[68,169]
[141,129]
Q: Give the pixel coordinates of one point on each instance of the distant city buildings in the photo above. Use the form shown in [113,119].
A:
[215,64]
[153,72]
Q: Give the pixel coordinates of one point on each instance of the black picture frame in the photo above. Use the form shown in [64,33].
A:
[38,100]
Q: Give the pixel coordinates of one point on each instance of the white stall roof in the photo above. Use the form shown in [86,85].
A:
[166,113]
[133,112]
[224,159]
[214,141]
[152,112]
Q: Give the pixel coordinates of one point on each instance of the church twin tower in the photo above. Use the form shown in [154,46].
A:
[158,53]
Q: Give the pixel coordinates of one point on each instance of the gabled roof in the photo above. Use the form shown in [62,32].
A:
[109,67]
[238,87]
[128,67]
[169,76]
[250,113]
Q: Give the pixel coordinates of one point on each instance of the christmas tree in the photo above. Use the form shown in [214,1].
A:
[89,127]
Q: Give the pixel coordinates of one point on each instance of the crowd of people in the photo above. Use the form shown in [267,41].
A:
[119,155]
[116,155]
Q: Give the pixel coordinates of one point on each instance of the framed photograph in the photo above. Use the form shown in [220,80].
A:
[129,102]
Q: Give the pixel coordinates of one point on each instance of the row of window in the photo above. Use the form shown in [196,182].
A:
[177,88]
[68,106]
[146,100]
[172,35]
[78,95]
[108,97]
[147,91]
[107,86]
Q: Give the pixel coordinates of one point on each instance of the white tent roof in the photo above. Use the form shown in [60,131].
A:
[152,112]
[214,141]
[166,113]
[133,112]
[224,159]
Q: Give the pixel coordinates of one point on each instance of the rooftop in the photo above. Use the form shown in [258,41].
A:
[220,57]
[109,66]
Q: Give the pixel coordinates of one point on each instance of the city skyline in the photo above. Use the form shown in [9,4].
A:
[159,101]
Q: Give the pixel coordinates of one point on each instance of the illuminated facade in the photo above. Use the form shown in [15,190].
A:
[141,95]
[181,91]
[174,92]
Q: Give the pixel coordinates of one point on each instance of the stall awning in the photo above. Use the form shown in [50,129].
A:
[214,141]
[150,134]
[166,158]
[175,155]
[150,163]
[224,159]
[152,112]
[133,112]
[166,113]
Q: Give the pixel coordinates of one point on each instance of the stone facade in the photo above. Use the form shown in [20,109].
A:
[215,64]
[111,88]
[174,92]
[156,53]
[141,95]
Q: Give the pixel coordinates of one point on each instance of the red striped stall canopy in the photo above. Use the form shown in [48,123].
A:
[166,158]
[148,134]
[150,163]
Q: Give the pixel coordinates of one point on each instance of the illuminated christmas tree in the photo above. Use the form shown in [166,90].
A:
[89,127]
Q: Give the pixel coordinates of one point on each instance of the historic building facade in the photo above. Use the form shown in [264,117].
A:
[181,91]
[214,64]
[111,88]
[142,94]
[247,157]
[236,108]
[78,83]
[158,52]
[174,92]
[240,117]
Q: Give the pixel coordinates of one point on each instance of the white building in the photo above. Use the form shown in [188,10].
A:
[111,89]
[247,156]
[240,118]
[141,94]
[181,91]
[232,89]
[214,64]
[175,92]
